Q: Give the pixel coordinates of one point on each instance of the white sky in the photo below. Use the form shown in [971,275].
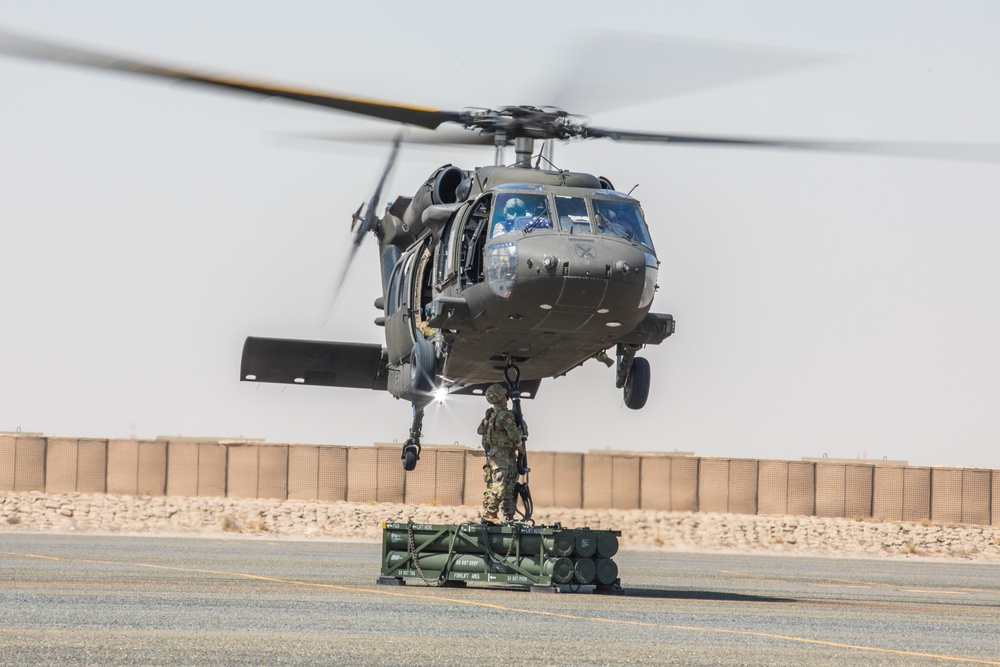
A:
[826,304]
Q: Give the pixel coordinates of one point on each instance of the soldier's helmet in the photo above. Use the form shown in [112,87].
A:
[514,208]
[496,394]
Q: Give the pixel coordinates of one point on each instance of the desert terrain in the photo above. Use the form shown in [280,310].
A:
[361,522]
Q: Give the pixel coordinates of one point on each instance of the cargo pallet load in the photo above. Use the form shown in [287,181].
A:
[545,558]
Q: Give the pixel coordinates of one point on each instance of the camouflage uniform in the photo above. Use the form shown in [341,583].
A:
[502,441]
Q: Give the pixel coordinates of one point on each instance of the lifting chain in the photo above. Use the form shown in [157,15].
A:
[488,550]
[416,561]
[512,378]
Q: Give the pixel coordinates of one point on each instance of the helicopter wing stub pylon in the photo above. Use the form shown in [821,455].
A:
[319,363]
[44,51]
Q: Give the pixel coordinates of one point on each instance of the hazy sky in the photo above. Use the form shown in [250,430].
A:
[825,304]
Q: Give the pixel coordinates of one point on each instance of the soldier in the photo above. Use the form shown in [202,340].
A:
[502,442]
[504,221]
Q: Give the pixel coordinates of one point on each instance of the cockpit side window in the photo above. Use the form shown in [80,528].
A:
[447,264]
[520,212]
[623,219]
[573,216]
[473,239]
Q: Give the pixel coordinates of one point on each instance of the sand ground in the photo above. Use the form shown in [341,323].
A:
[641,529]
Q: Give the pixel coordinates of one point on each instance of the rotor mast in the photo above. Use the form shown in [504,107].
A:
[524,147]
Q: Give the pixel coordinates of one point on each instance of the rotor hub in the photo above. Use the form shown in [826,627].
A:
[516,122]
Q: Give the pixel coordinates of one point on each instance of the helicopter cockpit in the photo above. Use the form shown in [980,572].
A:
[510,211]
[520,212]
[608,212]
[622,218]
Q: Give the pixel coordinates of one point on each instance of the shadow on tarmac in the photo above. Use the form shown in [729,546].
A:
[716,596]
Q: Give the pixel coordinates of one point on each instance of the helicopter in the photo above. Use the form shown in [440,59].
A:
[510,273]
[502,273]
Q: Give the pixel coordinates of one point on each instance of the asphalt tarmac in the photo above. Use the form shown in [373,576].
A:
[90,600]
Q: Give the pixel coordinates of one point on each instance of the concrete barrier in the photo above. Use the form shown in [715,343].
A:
[453,476]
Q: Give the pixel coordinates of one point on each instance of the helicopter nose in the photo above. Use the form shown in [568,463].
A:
[570,282]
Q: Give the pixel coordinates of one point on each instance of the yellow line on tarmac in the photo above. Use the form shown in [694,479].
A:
[852,581]
[11,553]
[978,590]
[536,612]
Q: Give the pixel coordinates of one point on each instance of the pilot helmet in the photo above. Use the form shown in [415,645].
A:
[514,207]
[496,394]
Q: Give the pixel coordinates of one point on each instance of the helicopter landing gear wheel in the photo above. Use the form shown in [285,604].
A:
[411,448]
[636,388]
[422,366]
[410,455]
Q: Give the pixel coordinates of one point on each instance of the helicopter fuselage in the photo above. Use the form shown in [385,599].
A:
[570,296]
[569,274]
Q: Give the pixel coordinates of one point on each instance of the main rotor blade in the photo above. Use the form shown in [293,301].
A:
[942,151]
[441,137]
[43,51]
[609,69]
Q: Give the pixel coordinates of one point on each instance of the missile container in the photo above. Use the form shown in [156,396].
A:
[544,558]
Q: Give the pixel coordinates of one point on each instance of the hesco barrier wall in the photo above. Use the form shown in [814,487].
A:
[454,476]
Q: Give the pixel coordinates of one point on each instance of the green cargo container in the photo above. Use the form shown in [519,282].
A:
[543,557]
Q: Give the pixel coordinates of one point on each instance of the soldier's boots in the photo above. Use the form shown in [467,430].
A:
[490,518]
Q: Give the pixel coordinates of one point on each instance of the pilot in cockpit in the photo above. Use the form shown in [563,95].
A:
[503,220]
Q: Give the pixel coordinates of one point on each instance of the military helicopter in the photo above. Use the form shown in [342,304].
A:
[498,274]
[508,273]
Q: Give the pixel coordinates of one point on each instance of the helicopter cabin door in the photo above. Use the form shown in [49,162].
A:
[422,289]
[398,330]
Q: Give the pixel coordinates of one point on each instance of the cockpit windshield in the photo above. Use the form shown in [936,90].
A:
[520,212]
[621,218]
[604,214]
[573,216]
